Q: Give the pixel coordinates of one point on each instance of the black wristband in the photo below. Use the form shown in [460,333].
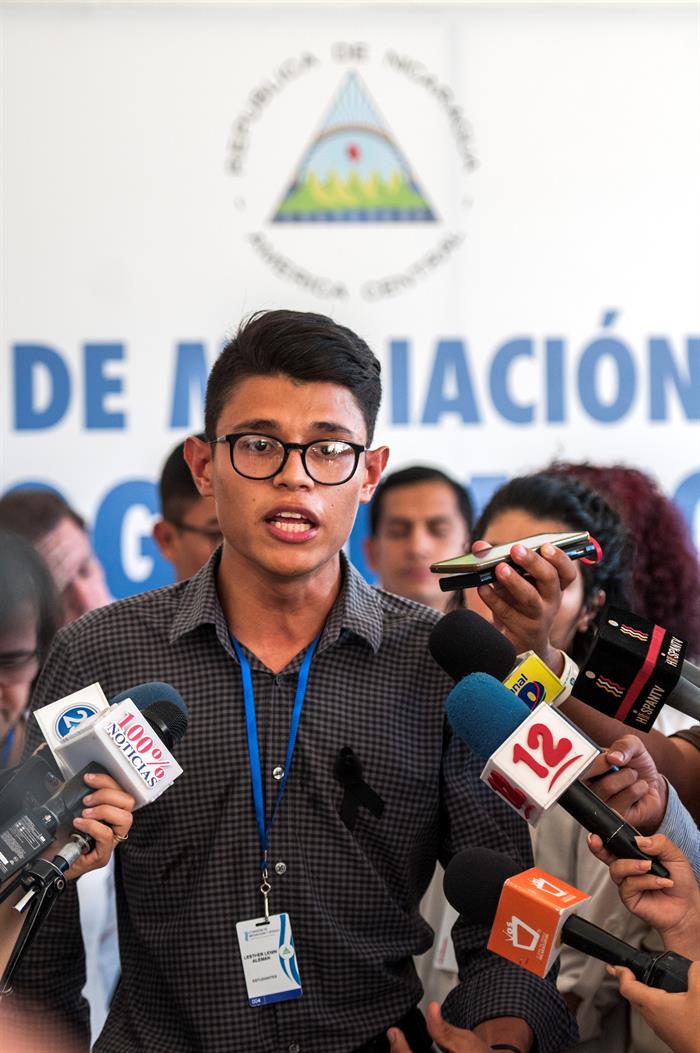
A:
[506,1045]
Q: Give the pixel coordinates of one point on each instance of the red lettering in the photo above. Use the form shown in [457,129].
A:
[511,793]
[520,754]
[540,736]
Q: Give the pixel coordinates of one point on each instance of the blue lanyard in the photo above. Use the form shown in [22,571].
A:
[7,748]
[253,748]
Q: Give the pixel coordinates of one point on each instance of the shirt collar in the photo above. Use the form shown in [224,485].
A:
[200,601]
[357,609]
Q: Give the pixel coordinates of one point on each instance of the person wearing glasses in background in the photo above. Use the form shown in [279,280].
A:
[188,531]
[320,783]
[31,609]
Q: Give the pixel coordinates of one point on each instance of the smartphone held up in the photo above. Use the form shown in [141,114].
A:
[472,569]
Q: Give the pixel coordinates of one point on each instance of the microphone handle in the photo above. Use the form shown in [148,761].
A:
[685,696]
[68,801]
[74,848]
[666,972]
[588,938]
[669,972]
[691,673]
[598,818]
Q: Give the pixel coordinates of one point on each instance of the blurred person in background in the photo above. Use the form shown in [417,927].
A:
[60,537]
[29,617]
[418,516]
[665,584]
[188,531]
[546,503]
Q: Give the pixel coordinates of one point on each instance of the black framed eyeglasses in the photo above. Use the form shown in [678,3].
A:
[326,461]
[210,533]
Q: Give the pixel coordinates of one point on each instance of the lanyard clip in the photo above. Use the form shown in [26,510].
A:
[265,888]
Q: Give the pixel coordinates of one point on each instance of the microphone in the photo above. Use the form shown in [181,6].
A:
[635,668]
[149,693]
[33,780]
[39,776]
[126,747]
[463,642]
[484,714]
[532,913]
[101,744]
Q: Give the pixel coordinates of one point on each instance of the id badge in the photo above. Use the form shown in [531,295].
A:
[269,960]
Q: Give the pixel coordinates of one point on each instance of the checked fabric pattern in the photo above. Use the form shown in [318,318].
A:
[190,869]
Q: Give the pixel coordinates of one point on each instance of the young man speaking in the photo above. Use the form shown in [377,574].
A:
[269,901]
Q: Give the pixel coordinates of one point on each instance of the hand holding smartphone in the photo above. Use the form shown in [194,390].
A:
[471,570]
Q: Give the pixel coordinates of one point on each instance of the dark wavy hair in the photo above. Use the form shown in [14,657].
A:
[300,345]
[549,495]
[176,486]
[25,580]
[665,584]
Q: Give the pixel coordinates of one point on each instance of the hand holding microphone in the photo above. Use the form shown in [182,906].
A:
[534,758]
[672,905]
[637,791]
[532,913]
[106,819]
[104,823]
[673,1017]
[129,740]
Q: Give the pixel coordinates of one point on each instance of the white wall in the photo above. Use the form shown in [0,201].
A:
[559,147]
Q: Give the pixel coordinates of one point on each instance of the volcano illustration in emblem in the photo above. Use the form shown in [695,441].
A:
[353,171]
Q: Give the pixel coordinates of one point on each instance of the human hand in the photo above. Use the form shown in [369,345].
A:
[523,609]
[671,905]
[637,792]
[673,1017]
[448,1037]
[107,818]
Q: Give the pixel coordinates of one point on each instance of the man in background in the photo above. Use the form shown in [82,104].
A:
[418,516]
[188,531]
[60,537]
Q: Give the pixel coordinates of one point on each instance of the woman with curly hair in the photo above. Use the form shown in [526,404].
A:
[546,502]
[665,590]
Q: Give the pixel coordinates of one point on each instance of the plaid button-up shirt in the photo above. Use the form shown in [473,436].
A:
[190,869]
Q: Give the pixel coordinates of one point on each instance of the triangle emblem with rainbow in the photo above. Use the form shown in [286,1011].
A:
[353,170]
